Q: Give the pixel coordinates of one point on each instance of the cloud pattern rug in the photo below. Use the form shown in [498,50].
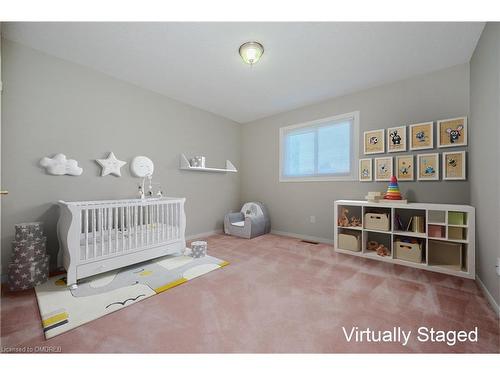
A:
[63,309]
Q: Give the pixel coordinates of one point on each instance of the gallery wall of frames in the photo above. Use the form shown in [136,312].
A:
[451,165]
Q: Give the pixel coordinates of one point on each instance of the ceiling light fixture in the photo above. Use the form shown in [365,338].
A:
[251,52]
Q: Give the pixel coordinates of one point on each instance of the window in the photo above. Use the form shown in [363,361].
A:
[320,150]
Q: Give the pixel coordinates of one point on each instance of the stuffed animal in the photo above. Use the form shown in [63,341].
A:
[372,245]
[355,221]
[382,250]
[343,221]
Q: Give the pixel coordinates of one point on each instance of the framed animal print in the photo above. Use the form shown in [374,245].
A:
[405,168]
[365,170]
[396,139]
[452,132]
[428,167]
[421,136]
[454,165]
[374,141]
[383,168]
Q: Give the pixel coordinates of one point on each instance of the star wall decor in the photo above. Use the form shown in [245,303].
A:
[111,165]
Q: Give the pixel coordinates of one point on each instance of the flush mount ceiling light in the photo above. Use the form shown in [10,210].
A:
[251,52]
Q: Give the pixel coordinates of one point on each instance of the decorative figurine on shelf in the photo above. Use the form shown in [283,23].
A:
[343,221]
[393,192]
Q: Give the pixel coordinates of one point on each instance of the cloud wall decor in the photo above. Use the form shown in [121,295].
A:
[59,165]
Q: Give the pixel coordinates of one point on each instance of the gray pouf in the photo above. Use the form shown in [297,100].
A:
[198,249]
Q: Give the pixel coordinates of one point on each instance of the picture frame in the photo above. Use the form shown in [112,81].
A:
[454,165]
[405,167]
[422,136]
[452,132]
[383,168]
[396,139]
[428,167]
[374,141]
[365,170]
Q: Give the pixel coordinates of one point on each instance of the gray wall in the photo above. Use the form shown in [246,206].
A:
[51,106]
[434,96]
[484,153]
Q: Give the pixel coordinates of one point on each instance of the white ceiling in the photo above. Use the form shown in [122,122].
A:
[303,63]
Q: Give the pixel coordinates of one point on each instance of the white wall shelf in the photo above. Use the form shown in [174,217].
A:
[430,248]
[184,165]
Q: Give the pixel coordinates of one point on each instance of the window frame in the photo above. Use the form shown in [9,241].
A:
[352,176]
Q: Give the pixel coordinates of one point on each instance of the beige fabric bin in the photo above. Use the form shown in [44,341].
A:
[349,241]
[377,221]
[411,252]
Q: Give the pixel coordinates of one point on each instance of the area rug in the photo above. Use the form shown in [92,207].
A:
[63,309]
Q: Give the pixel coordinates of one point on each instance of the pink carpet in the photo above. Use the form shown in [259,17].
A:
[278,295]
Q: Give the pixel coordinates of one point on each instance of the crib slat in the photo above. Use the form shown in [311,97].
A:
[135,226]
[94,239]
[109,217]
[170,216]
[178,220]
[122,229]
[157,227]
[86,223]
[116,229]
[162,219]
[101,228]
[129,228]
[141,223]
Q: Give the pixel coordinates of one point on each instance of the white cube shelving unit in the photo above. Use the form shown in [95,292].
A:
[455,223]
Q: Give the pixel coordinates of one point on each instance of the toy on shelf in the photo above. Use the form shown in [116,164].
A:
[382,251]
[344,221]
[355,221]
[374,196]
[379,248]
[393,192]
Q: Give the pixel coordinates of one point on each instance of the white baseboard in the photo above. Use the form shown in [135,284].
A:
[328,241]
[489,297]
[203,235]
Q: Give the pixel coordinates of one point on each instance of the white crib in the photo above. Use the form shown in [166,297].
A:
[99,236]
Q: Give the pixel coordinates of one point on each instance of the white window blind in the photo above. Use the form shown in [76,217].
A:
[320,150]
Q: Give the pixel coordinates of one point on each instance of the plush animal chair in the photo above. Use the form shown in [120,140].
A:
[252,221]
